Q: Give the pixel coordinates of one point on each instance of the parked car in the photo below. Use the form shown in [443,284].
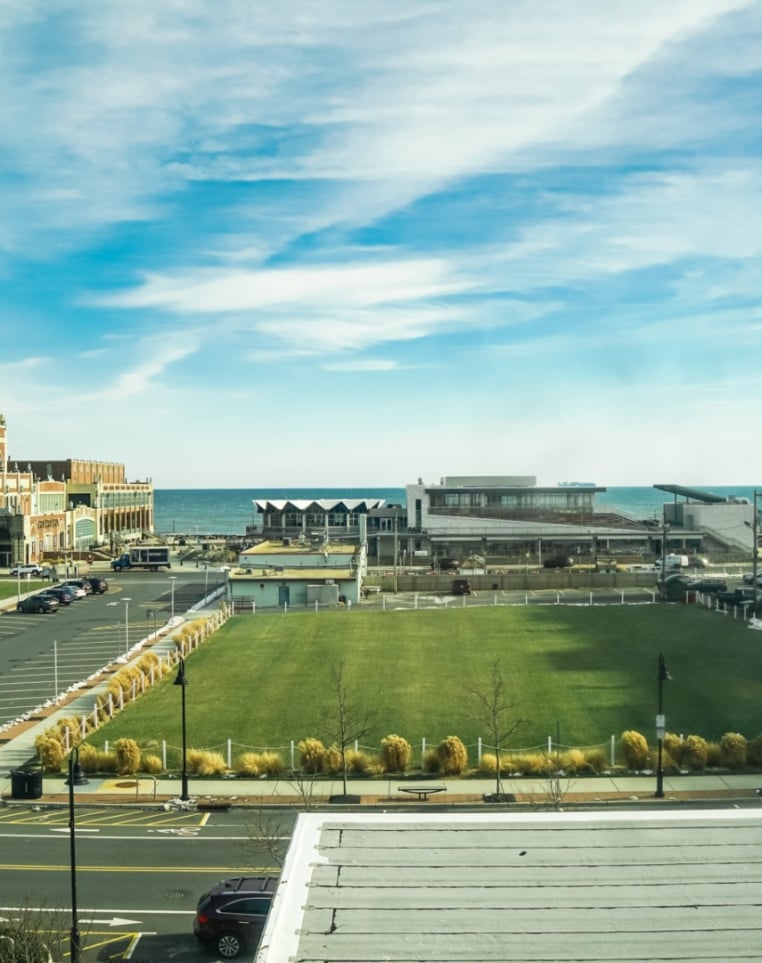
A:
[26,570]
[64,595]
[81,583]
[77,591]
[38,603]
[708,584]
[232,914]
[558,561]
[748,578]
[98,585]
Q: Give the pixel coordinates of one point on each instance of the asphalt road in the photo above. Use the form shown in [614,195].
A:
[138,876]
[42,655]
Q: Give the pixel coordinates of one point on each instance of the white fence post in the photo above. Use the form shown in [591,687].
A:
[293,758]
[164,754]
[613,751]
[230,753]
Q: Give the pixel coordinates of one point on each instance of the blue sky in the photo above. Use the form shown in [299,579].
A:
[338,243]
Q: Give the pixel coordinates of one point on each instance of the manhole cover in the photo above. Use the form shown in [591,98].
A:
[175,894]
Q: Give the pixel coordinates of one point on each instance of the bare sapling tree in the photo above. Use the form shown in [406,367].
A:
[350,723]
[266,836]
[32,935]
[497,711]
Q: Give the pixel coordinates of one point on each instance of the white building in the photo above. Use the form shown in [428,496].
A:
[297,574]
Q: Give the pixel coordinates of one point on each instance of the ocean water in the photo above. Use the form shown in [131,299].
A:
[227,511]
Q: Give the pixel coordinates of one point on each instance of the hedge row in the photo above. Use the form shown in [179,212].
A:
[733,751]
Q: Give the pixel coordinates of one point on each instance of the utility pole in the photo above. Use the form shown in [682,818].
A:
[395,551]
[755,551]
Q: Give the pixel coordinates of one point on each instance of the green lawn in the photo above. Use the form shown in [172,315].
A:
[9,586]
[265,680]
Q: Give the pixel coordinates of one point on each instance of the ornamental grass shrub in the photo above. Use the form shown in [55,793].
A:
[205,762]
[635,749]
[255,764]
[488,764]
[127,757]
[452,756]
[151,763]
[695,753]
[96,760]
[733,750]
[431,761]
[674,746]
[596,759]
[50,750]
[362,763]
[536,763]
[574,760]
[396,753]
[713,755]
[311,755]
[332,759]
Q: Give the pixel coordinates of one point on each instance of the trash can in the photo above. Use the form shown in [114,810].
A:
[26,783]
[33,783]
[18,784]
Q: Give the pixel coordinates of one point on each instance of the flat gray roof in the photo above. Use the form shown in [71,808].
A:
[696,494]
[454,887]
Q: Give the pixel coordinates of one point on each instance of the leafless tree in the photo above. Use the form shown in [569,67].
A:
[497,711]
[32,934]
[350,722]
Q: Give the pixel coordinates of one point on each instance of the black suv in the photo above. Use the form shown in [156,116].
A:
[98,585]
[231,916]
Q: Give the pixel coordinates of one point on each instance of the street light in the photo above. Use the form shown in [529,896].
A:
[183,682]
[662,677]
[126,625]
[76,778]
[172,580]
[755,550]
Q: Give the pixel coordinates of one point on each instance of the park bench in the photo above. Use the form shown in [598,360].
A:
[422,792]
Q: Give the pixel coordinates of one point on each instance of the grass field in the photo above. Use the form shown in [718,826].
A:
[9,586]
[266,680]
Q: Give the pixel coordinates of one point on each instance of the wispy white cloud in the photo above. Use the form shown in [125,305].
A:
[209,199]
[366,365]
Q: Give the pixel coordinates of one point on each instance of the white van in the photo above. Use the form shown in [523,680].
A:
[673,561]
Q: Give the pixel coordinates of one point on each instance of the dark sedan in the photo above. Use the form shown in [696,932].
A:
[63,595]
[38,603]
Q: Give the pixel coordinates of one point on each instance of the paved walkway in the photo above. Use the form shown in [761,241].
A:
[17,749]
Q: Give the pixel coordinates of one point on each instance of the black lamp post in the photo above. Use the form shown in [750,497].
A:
[76,778]
[662,677]
[183,682]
